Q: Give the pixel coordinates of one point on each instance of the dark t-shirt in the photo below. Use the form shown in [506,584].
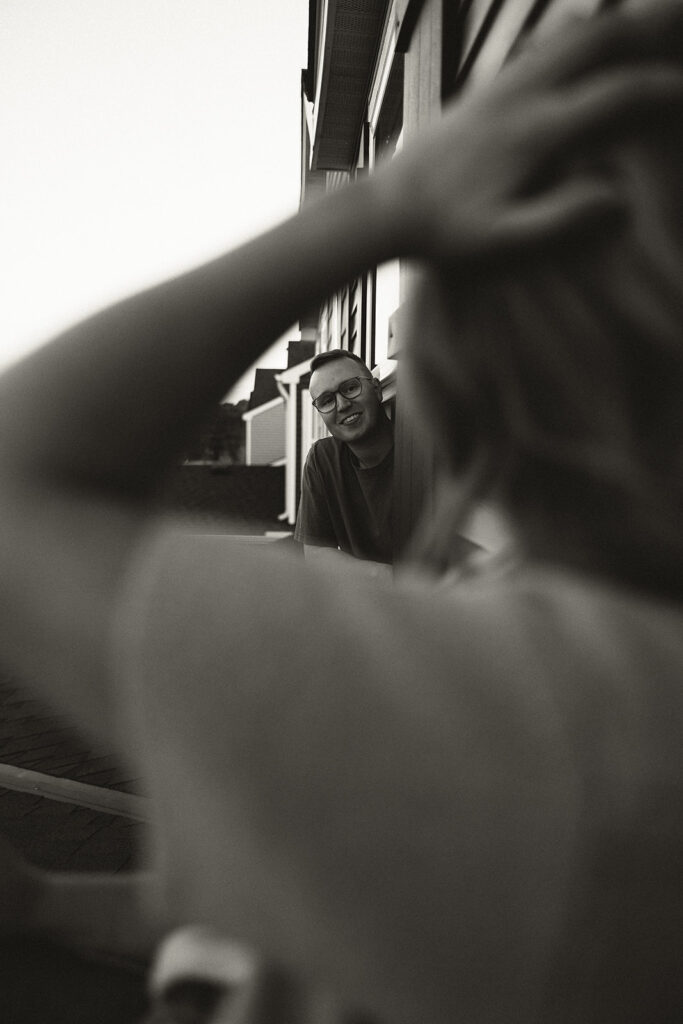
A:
[344,505]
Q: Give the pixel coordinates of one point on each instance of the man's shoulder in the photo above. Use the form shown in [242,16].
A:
[327,444]
[327,451]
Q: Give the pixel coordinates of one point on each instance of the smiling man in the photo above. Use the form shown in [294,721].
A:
[346,505]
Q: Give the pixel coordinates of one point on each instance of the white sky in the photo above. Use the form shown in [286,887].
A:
[139,137]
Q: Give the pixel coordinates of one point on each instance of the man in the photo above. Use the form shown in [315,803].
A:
[346,503]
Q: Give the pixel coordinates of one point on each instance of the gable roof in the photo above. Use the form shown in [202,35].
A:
[265,388]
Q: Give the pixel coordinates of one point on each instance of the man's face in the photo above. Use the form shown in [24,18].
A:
[352,419]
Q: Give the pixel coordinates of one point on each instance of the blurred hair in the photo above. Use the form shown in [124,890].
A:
[555,387]
[333,354]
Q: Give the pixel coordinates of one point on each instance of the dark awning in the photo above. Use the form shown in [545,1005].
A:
[345,38]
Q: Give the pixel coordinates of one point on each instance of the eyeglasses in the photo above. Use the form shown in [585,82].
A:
[350,388]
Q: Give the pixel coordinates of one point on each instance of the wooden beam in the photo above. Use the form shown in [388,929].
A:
[68,791]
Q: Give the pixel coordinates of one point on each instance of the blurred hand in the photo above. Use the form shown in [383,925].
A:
[502,168]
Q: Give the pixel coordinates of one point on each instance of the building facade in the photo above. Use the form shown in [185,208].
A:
[265,422]
[378,72]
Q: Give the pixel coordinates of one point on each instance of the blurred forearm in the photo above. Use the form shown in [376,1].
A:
[111,403]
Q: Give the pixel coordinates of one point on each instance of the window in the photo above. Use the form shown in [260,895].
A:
[390,120]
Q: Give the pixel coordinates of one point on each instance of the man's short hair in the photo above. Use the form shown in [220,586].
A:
[336,353]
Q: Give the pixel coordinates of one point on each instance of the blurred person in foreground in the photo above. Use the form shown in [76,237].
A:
[480,817]
[347,488]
